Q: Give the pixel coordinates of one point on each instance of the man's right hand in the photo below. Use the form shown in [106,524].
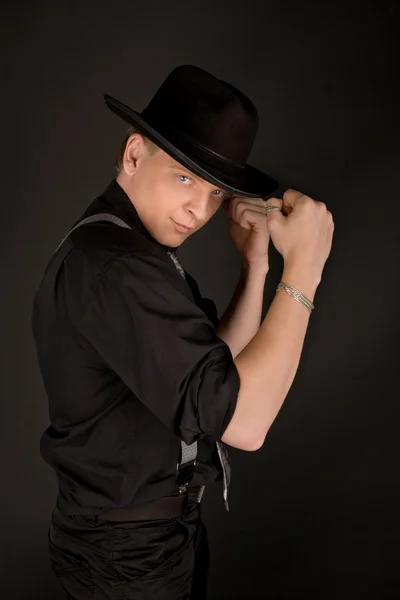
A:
[304,236]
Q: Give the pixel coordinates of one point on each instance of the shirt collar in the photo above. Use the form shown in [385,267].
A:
[116,196]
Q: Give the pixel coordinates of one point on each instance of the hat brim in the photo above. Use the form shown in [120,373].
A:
[256,183]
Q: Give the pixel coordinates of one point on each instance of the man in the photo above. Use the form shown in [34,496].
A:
[145,385]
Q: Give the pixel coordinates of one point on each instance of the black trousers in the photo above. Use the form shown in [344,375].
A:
[164,559]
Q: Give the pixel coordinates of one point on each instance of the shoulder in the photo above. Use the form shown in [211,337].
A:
[102,242]
[103,255]
[114,257]
[105,247]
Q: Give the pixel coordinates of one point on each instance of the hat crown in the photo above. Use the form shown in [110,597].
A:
[206,124]
[205,110]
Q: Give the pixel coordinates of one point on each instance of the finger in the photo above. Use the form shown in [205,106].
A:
[274,216]
[274,202]
[250,219]
[290,197]
[255,204]
[243,211]
[250,214]
[234,200]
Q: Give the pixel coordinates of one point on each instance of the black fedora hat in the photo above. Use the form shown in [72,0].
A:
[206,124]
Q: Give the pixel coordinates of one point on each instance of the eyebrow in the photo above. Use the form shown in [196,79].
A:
[182,168]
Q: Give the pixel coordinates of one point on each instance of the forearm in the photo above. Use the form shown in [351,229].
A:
[267,366]
[242,318]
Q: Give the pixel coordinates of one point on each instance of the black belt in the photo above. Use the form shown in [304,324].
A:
[162,508]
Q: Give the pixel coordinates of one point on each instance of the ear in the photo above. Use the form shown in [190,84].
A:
[134,151]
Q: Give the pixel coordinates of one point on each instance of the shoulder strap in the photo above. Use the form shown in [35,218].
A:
[189,453]
[96,217]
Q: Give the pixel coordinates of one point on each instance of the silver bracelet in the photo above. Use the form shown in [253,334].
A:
[297,295]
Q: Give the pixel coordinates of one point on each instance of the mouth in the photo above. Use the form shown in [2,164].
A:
[182,228]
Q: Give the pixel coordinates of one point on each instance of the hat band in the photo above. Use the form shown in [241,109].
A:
[228,166]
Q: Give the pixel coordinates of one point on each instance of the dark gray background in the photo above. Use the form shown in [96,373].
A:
[314,513]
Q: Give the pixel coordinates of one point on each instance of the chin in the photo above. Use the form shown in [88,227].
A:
[178,241]
[171,241]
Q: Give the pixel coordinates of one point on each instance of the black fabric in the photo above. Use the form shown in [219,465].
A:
[131,364]
[165,559]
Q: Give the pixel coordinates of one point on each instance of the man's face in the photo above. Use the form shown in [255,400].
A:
[165,193]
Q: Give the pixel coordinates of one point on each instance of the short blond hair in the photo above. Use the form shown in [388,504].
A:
[152,148]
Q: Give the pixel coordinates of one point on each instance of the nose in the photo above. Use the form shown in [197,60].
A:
[200,208]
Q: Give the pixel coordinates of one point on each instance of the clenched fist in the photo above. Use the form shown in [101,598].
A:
[304,235]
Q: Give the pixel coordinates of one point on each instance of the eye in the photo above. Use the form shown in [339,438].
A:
[222,195]
[185,177]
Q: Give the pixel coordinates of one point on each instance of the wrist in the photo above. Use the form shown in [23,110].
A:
[254,271]
[301,278]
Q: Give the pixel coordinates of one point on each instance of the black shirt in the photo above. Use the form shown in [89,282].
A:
[131,364]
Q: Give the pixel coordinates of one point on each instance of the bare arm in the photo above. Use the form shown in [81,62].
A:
[268,364]
[242,318]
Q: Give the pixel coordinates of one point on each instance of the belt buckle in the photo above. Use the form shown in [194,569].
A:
[183,489]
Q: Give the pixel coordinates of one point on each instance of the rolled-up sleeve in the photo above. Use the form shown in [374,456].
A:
[149,331]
